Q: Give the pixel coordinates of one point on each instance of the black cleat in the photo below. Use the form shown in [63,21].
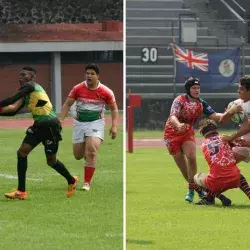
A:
[226,202]
[205,202]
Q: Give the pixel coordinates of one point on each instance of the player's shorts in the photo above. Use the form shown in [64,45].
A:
[49,135]
[221,184]
[174,143]
[81,130]
[243,151]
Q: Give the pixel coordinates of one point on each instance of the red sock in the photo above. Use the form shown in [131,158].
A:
[193,186]
[88,173]
[244,186]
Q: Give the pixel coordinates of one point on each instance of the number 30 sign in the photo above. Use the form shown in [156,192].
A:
[149,55]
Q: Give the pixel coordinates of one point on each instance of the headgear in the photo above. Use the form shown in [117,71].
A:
[191,81]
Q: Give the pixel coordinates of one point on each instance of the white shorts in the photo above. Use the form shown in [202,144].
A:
[81,130]
[243,151]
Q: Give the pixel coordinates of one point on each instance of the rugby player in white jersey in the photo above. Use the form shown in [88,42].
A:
[90,96]
[242,151]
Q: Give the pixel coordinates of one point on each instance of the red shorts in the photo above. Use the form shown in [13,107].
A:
[175,142]
[221,184]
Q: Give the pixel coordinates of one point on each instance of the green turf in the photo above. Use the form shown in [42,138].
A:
[49,220]
[140,134]
[158,218]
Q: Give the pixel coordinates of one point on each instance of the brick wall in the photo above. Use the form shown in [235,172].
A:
[9,75]
[111,75]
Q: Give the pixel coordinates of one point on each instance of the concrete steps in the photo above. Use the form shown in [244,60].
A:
[173,4]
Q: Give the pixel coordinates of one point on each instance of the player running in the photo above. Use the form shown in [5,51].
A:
[179,132]
[88,128]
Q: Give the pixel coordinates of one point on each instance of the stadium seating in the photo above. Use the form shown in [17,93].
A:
[59,11]
[154,24]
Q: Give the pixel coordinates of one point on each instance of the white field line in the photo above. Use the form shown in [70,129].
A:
[111,235]
[8,176]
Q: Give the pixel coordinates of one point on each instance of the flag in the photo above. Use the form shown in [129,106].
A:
[215,70]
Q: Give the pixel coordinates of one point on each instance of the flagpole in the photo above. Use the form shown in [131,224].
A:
[174,78]
[243,55]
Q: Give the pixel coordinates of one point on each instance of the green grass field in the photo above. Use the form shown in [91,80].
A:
[159,218]
[49,220]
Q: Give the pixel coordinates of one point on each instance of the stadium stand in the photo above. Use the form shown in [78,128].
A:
[59,38]
[59,11]
[153,25]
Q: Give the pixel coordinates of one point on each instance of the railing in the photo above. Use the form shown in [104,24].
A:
[232,10]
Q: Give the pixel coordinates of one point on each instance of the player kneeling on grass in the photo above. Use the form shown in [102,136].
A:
[224,173]
[46,129]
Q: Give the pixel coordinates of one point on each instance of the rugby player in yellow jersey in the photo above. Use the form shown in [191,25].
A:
[46,129]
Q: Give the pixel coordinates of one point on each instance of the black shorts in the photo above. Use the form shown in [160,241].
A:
[49,135]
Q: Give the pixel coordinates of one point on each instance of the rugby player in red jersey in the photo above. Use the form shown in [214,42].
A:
[179,132]
[223,171]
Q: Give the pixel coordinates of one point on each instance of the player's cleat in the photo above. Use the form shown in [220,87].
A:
[205,202]
[226,202]
[189,196]
[16,195]
[72,187]
[86,186]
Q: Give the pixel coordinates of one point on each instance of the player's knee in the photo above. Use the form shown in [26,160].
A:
[91,155]
[22,153]
[51,161]
[78,156]
[191,157]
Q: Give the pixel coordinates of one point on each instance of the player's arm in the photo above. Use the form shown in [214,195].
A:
[12,109]
[176,108]
[66,107]
[114,117]
[175,111]
[229,113]
[244,129]
[23,91]
[209,112]
[215,116]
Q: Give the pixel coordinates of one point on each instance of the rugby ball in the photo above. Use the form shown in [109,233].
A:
[239,117]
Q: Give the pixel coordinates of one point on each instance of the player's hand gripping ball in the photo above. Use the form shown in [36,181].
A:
[239,116]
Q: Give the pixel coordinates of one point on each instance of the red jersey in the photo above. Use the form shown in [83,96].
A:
[219,157]
[90,104]
[187,112]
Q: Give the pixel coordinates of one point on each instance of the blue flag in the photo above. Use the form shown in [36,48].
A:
[215,70]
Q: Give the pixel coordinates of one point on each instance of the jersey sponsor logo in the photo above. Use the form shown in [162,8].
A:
[30,131]
[99,96]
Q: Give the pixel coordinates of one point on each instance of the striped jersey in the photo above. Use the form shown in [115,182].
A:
[90,104]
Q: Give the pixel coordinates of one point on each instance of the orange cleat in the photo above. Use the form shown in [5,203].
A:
[17,195]
[72,187]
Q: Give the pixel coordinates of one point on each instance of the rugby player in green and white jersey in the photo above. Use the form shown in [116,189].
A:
[90,96]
